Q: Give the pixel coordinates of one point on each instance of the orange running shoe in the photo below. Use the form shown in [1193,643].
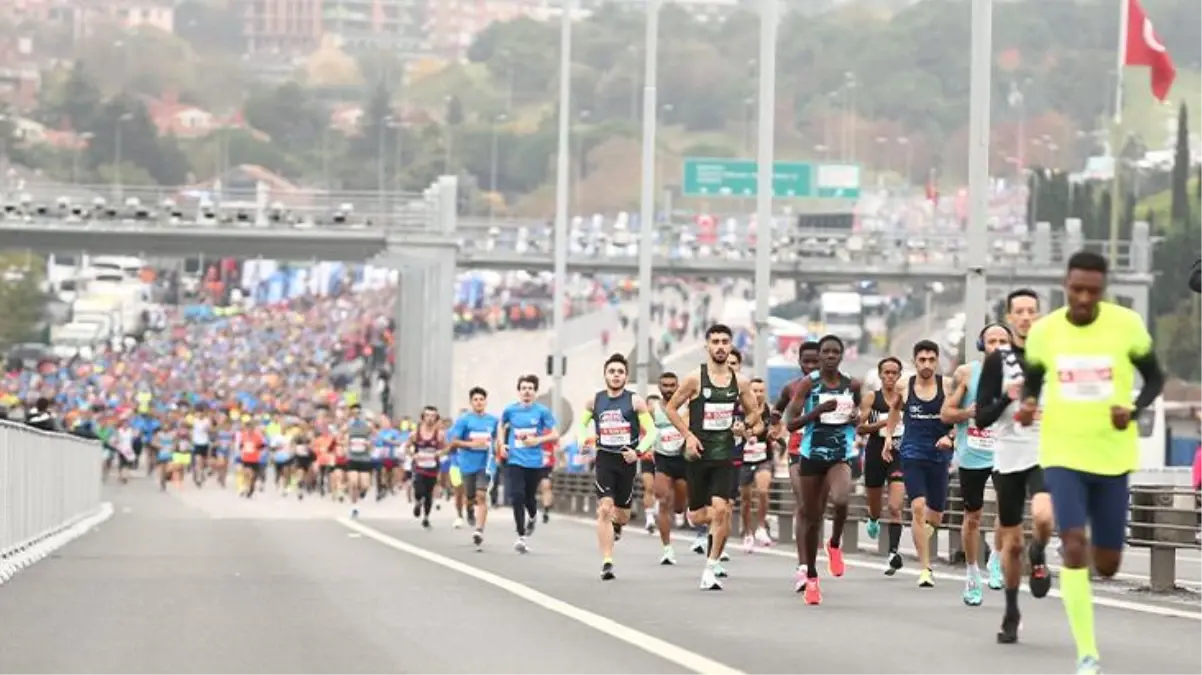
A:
[813,594]
[834,560]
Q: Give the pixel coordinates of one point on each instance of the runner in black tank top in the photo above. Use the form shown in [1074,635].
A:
[874,415]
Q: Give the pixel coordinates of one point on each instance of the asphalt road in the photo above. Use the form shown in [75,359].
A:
[202,581]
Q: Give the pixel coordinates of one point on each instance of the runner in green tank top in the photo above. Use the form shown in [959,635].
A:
[709,441]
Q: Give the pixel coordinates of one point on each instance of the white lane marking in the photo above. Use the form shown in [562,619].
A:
[1113,603]
[652,645]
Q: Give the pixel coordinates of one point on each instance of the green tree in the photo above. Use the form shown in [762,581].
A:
[71,100]
[22,302]
[1178,339]
[289,114]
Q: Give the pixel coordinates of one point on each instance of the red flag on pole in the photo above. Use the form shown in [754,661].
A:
[1143,48]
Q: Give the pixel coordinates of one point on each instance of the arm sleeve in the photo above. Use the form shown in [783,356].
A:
[1035,367]
[586,417]
[647,425]
[1149,369]
[991,397]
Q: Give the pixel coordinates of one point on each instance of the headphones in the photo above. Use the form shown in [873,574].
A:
[981,336]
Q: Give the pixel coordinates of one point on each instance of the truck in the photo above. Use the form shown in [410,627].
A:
[842,314]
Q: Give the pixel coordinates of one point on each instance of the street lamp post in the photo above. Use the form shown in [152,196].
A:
[647,195]
[492,167]
[382,163]
[763,199]
[559,284]
[980,65]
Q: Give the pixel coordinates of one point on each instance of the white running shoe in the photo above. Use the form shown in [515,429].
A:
[709,582]
[458,524]
[669,556]
[748,544]
[520,545]
[762,538]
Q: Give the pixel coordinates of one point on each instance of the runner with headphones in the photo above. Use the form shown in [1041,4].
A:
[974,457]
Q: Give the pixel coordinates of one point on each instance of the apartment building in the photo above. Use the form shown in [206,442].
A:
[398,26]
[280,26]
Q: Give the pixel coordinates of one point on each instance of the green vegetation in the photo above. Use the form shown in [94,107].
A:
[848,78]
[21,298]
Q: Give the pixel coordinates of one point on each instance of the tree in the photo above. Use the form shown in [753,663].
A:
[1178,339]
[71,100]
[1179,211]
[21,300]
[289,114]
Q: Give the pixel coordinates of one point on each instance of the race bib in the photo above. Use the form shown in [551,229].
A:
[755,451]
[520,436]
[358,445]
[717,416]
[670,439]
[1085,379]
[478,436]
[426,459]
[981,440]
[302,451]
[843,408]
[613,431]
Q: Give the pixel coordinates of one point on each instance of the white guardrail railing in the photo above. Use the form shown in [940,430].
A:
[49,493]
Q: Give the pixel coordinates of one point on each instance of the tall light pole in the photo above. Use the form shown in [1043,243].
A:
[560,282]
[980,64]
[642,368]
[763,197]
[492,168]
[382,162]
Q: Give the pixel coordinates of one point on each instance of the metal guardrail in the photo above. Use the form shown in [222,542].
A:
[1163,519]
[48,481]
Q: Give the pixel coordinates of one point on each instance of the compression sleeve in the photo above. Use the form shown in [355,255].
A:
[649,432]
[1149,370]
[1033,374]
[991,395]
[586,418]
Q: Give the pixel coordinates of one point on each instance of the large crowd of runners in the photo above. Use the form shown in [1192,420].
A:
[1044,414]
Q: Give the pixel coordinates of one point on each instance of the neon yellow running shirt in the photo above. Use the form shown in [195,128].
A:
[1088,369]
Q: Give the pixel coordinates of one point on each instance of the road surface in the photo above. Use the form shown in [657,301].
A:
[202,581]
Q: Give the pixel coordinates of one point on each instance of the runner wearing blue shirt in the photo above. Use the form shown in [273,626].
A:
[474,437]
[525,426]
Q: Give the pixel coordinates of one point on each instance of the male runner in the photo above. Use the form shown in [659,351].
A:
[427,445]
[974,459]
[711,394]
[1087,444]
[671,488]
[826,405]
[475,437]
[1016,465]
[734,360]
[807,359]
[525,426]
[624,430]
[926,450]
[647,476]
[359,464]
[755,477]
[874,415]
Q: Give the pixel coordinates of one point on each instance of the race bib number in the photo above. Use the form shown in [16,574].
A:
[755,451]
[520,437]
[897,431]
[981,440]
[358,445]
[1086,379]
[670,439]
[613,431]
[302,451]
[427,459]
[476,437]
[843,408]
[717,416]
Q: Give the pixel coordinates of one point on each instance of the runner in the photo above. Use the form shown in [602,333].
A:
[358,434]
[826,405]
[711,394]
[201,425]
[671,488]
[1087,444]
[756,475]
[474,436]
[807,360]
[624,429]
[647,476]
[874,415]
[926,450]
[974,459]
[1016,464]
[426,445]
[525,426]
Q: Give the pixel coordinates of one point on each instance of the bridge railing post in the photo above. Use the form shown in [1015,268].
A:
[1140,249]
[1041,244]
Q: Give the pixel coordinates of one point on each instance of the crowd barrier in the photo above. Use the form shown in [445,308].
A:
[1163,519]
[49,482]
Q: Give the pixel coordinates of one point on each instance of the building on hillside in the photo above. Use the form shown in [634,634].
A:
[397,26]
[182,120]
[280,26]
[20,83]
[702,10]
[82,16]
[452,25]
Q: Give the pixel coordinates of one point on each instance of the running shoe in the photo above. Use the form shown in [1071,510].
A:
[699,541]
[520,545]
[834,560]
[762,538]
[724,556]
[607,571]
[813,594]
[1008,633]
[926,579]
[994,566]
[720,571]
[895,563]
[1040,580]
[669,556]
[1088,666]
[709,580]
[973,594]
[478,539]
[749,544]
[799,579]
[874,529]
[458,524]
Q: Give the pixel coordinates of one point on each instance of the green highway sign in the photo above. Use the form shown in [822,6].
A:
[708,177]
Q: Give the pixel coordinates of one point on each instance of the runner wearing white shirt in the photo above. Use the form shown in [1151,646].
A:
[671,488]
[202,443]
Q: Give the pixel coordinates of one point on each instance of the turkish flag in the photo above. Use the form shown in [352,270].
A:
[1143,48]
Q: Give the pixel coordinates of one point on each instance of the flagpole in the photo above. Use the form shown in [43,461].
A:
[1116,132]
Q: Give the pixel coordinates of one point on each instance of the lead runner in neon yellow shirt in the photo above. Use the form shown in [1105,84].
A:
[1087,445]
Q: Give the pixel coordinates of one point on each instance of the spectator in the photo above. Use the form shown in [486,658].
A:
[40,416]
